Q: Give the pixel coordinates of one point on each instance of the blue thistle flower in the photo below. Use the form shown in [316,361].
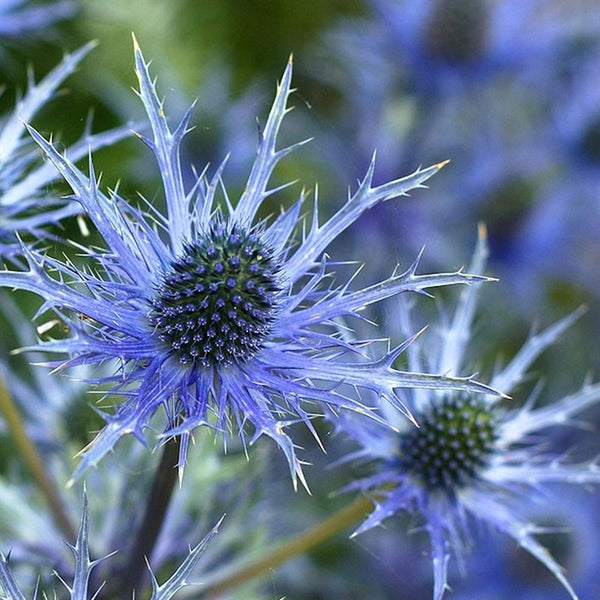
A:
[446,46]
[469,460]
[25,205]
[79,588]
[216,316]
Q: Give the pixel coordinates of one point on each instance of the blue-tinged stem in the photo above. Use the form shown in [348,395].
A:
[34,463]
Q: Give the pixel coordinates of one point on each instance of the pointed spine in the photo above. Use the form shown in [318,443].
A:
[458,334]
[267,156]
[47,173]
[36,97]
[179,579]
[363,199]
[8,583]
[513,373]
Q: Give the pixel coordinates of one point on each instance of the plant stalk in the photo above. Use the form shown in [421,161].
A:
[286,550]
[132,576]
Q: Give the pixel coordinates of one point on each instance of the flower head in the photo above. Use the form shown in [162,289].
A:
[470,460]
[215,315]
[447,46]
[25,205]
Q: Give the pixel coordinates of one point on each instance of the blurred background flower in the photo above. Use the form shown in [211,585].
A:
[473,463]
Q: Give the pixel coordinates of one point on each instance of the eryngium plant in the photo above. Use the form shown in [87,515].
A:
[212,313]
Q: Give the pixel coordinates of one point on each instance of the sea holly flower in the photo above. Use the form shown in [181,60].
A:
[79,588]
[217,316]
[471,460]
[447,45]
[26,206]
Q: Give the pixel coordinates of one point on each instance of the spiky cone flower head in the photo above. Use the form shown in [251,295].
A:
[472,460]
[27,206]
[80,589]
[211,313]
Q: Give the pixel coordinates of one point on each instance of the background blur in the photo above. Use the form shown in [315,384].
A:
[508,90]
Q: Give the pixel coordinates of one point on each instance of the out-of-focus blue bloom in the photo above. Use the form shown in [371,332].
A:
[408,59]
[79,588]
[26,205]
[445,45]
[573,132]
[219,317]
[470,461]
[20,18]
[560,234]
[472,80]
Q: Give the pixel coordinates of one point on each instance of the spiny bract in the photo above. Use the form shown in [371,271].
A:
[79,588]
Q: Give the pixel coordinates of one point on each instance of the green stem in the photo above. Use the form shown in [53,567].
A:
[34,462]
[283,551]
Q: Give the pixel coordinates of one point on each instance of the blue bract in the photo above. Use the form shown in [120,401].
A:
[217,316]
